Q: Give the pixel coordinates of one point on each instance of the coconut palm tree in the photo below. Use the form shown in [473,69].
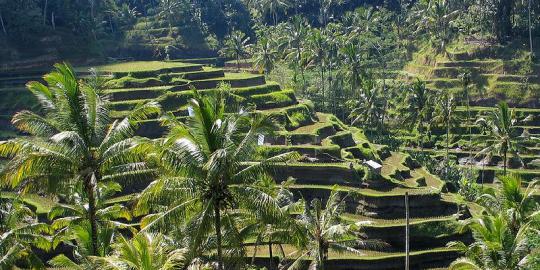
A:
[501,233]
[445,114]
[420,106]
[272,7]
[74,145]
[317,44]
[168,10]
[276,231]
[265,55]
[145,251]
[236,46]
[510,198]
[504,137]
[370,105]
[327,232]
[20,231]
[352,59]
[495,247]
[296,35]
[436,19]
[210,172]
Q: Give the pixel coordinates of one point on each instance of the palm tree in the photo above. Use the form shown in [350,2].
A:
[74,144]
[326,232]
[236,46]
[510,198]
[296,34]
[370,105]
[495,247]
[501,233]
[352,59]
[265,55]
[436,19]
[466,82]
[20,231]
[168,10]
[272,7]
[420,106]
[210,172]
[145,251]
[276,231]
[317,45]
[445,114]
[504,137]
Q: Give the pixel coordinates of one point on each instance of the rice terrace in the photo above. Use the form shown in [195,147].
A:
[270,134]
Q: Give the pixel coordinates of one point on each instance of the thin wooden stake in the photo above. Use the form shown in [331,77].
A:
[406,230]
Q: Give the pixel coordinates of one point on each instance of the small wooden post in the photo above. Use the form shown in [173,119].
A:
[406,230]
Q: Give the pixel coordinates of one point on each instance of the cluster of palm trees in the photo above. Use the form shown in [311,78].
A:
[503,231]
[208,194]
[328,64]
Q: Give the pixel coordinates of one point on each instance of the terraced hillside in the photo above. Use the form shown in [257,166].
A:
[495,76]
[332,154]
[527,165]
[151,35]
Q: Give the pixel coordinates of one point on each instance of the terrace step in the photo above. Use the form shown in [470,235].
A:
[244,81]
[443,230]
[388,204]
[484,64]
[369,260]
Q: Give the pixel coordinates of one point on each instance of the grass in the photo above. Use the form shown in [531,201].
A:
[137,66]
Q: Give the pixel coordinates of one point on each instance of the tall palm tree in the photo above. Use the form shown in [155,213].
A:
[504,137]
[420,106]
[352,59]
[145,251]
[272,7]
[317,44]
[436,19]
[210,172]
[168,10]
[466,81]
[266,229]
[265,55]
[445,115]
[296,35]
[370,105]
[236,46]
[74,144]
[327,232]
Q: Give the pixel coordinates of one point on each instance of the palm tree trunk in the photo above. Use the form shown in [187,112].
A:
[45,11]
[255,250]
[530,30]
[271,261]
[504,161]
[89,186]
[217,224]
[321,257]
[2,23]
[238,62]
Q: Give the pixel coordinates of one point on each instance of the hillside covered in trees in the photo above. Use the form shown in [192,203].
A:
[270,134]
